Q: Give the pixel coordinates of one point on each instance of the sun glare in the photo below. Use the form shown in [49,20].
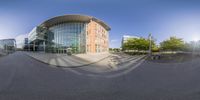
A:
[196,39]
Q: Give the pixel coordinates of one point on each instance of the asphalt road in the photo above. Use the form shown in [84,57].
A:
[23,78]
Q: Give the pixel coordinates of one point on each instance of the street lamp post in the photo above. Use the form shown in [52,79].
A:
[150,44]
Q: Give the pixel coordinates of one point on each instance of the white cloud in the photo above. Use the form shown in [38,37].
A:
[113,40]
[20,40]
[114,43]
[10,25]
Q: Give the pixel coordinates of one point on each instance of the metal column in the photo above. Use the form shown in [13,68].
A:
[44,44]
[33,46]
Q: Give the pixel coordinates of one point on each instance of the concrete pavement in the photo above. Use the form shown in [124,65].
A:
[97,63]
[115,62]
[64,60]
[23,78]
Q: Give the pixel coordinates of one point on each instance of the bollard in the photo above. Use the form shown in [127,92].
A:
[155,57]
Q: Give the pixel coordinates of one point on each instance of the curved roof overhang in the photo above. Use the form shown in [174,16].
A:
[72,18]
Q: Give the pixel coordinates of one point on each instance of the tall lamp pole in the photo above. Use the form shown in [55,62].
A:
[150,44]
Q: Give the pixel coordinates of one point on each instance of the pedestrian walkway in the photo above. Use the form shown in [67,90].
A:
[64,60]
[115,62]
[2,53]
[94,63]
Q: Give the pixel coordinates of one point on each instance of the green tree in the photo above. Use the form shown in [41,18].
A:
[155,48]
[173,44]
[137,44]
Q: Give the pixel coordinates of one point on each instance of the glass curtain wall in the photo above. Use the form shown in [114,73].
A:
[67,35]
[7,45]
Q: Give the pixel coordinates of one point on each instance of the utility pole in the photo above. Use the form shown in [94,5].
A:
[150,44]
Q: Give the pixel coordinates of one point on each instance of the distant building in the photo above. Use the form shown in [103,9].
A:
[126,37]
[25,45]
[7,45]
[26,41]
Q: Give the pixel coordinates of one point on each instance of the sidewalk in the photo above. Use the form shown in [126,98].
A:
[64,60]
[2,54]
[115,62]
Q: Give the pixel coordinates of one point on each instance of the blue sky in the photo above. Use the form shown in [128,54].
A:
[162,18]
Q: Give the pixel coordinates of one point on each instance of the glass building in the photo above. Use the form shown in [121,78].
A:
[77,33]
[7,45]
[68,35]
